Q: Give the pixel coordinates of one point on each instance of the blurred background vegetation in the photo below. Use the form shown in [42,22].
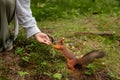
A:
[57,9]
[82,15]
[65,18]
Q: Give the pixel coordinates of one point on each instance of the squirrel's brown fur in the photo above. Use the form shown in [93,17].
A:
[74,63]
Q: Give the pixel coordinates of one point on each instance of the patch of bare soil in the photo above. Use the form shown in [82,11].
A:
[38,77]
[12,66]
[100,75]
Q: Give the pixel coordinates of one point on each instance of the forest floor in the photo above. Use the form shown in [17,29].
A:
[30,60]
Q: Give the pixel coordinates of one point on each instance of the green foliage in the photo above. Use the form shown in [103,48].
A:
[111,74]
[57,9]
[4,78]
[57,76]
[51,62]
[91,70]
[19,51]
[22,73]
[1,67]
[95,66]
[26,58]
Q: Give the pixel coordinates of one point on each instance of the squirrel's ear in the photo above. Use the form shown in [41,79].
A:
[62,41]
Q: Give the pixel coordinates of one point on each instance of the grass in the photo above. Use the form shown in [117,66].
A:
[38,58]
[85,43]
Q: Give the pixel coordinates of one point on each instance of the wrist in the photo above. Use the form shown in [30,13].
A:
[36,34]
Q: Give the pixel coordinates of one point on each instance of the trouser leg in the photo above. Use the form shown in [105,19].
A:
[7,8]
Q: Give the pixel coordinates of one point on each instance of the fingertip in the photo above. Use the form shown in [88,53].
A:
[48,43]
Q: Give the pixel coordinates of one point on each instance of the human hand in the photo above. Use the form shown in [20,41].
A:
[42,38]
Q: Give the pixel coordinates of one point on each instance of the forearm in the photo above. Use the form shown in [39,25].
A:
[25,18]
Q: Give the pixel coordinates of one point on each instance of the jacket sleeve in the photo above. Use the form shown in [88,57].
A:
[25,18]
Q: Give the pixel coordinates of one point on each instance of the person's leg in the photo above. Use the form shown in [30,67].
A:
[7,8]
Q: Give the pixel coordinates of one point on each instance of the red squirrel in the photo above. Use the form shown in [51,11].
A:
[72,62]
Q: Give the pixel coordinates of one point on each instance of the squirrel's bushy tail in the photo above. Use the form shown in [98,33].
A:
[91,56]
